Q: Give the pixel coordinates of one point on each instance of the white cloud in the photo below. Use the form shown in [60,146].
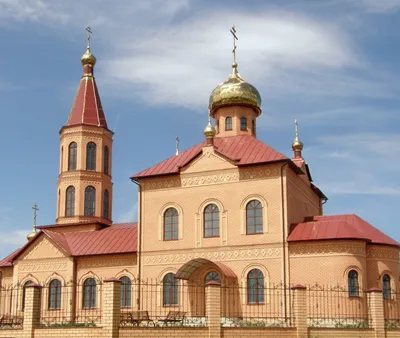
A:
[378,6]
[130,215]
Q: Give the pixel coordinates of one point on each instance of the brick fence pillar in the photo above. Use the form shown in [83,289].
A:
[32,309]
[376,314]
[213,309]
[111,307]
[300,310]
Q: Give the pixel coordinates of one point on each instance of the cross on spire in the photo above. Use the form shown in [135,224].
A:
[88,36]
[177,145]
[296,129]
[35,210]
[234,37]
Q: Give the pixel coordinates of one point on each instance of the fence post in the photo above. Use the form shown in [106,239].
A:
[300,310]
[213,309]
[111,307]
[376,311]
[32,309]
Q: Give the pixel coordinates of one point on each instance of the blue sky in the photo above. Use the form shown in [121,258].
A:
[332,64]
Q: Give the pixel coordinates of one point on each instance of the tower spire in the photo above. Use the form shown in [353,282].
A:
[297,145]
[87,108]
[209,131]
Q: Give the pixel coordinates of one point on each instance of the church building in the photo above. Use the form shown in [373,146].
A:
[230,210]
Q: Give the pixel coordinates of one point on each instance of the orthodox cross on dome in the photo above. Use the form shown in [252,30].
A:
[296,129]
[88,36]
[177,145]
[234,37]
[35,210]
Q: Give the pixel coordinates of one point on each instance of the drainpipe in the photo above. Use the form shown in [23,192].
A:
[139,251]
[283,241]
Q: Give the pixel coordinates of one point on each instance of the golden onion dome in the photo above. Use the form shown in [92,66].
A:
[235,91]
[31,235]
[209,131]
[88,58]
[297,145]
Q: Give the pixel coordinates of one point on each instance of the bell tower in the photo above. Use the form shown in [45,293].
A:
[84,188]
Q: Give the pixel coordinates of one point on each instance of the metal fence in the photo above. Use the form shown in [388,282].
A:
[12,303]
[391,309]
[337,307]
[70,304]
[256,306]
[163,303]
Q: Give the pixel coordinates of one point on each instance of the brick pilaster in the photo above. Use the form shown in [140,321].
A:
[376,314]
[111,307]
[32,310]
[300,310]
[213,309]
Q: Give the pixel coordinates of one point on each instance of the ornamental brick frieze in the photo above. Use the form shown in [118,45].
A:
[163,183]
[189,180]
[326,249]
[43,249]
[99,263]
[85,131]
[42,266]
[233,255]
[257,173]
[383,253]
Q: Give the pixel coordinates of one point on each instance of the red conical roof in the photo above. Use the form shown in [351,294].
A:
[87,108]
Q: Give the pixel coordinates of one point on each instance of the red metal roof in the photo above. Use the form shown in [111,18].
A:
[241,150]
[115,239]
[87,108]
[8,260]
[118,238]
[338,227]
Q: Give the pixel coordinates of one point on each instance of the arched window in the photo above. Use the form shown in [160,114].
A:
[212,276]
[126,292]
[170,224]
[170,290]
[91,156]
[70,201]
[254,221]
[55,294]
[72,154]
[105,160]
[211,221]
[90,201]
[255,287]
[253,127]
[228,123]
[353,283]
[105,203]
[89,294]
[29,282]
[62,159]
[386,289]
[243,123]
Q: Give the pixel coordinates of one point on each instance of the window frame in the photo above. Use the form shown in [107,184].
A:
[106,160]
[174,224]
[243,123]
[214,220]
[54,304]
[259,206]
[70,194]
[126,292]
[259,280]
[353,284]
[170,290]
[106,204]
[90,210]
[386,286]
[91,150]
[212,276]
[228,122]
[72,156]
[89,290]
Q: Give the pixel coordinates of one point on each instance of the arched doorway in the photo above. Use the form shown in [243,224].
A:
[195,275]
